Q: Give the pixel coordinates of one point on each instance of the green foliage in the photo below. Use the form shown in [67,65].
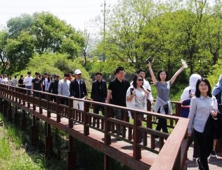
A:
[40,33]
[5,149]
[216,71]
[137,29]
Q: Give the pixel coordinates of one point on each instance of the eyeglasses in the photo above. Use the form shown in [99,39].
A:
[139,79]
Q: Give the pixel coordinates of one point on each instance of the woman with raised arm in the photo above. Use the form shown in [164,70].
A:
[163,104]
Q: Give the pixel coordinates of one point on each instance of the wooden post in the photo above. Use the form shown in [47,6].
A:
[35,133]
[16,116]
[71,155]
[106,162]
[70,101]
[9,113]
[48,141]
[24,121]
[86,120]
[136,136]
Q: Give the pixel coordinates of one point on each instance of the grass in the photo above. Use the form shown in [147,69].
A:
[15,156]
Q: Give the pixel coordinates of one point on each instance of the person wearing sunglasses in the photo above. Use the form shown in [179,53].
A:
[136,97]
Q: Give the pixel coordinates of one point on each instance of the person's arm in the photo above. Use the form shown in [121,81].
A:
[152,74]
[71,89]
[176,74]
[59,88]
[191,115]
[105,86]
[41,86]
[92,91]
[129,95]
[84,88]
[109,96]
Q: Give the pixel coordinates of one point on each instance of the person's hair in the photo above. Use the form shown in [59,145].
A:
[66,74]
[136,76]
[71,72]
[140,70]
[119,69]
[21,76]
[197,93]
[158,74]
[99,73]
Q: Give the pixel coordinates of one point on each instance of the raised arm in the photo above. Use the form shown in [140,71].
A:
[152,74]
[176,74]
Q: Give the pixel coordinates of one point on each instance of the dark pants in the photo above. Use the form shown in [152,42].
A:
[205,144]
[162,124]
[97,108]
[64,101]
[196,150]
[28,91]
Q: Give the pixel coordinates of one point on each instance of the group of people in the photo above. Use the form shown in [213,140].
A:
[201,105]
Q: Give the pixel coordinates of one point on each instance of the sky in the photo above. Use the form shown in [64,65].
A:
[74,12]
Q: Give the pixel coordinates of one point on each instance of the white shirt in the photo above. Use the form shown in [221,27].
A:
[139,101]
[28,81]
[147,86]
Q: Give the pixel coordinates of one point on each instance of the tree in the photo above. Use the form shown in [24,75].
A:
[38,34]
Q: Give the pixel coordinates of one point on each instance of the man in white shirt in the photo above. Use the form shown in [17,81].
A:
[28,82]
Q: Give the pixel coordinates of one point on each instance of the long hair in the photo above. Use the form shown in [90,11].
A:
[197,93]
[158,74]
[136,76]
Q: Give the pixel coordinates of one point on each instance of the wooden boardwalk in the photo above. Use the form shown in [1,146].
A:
[214,163]
[101,136]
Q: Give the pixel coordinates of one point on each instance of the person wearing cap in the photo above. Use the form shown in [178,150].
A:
[36,85]
[78,90]
[117,93]
[99,92]
[28,82]
[53,88]
[63,88]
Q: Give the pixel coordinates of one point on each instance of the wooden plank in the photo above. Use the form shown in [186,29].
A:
[169,153]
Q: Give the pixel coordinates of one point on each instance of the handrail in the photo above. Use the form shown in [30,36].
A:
[170,158]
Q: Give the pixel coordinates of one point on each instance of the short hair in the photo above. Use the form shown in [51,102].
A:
[71,72]
[158,74]
[99,73]
[140,70]
[197,92]
[29,72]
[119,69]
[36,73]
[66,75]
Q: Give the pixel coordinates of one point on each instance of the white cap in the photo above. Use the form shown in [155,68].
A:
[77,71]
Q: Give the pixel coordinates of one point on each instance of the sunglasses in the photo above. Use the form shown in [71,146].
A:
[139,79]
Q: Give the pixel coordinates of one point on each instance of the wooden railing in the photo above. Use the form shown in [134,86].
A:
[129,132]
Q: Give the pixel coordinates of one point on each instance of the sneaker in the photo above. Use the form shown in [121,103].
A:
[195,158]
[213,154]
[199,164]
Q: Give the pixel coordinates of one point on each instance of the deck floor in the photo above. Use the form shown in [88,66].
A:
[214,163]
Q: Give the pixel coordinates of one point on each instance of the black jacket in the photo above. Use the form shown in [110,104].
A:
[99,91]
[78,90]
[53,88]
